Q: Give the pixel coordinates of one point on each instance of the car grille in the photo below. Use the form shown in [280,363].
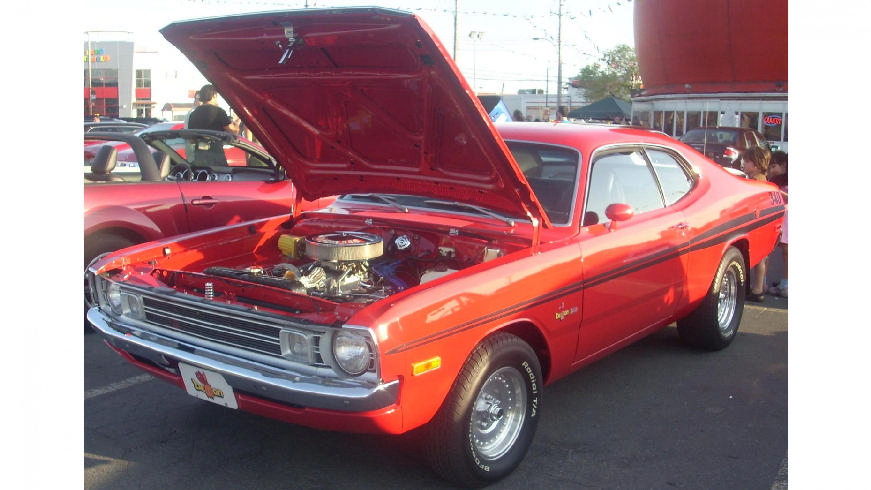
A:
[221,325]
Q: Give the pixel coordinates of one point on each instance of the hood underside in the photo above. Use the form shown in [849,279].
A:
[358,100]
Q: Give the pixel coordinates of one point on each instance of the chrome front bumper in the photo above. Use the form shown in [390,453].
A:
[258,379]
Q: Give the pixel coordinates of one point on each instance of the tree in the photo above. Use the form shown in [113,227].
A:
[615,74]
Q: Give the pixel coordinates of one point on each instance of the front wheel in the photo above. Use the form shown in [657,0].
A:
[714,324]
[486,424]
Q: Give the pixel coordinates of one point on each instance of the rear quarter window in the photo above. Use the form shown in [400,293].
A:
[673,177]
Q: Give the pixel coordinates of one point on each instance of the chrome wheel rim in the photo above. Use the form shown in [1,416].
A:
[727,301]
[498,413]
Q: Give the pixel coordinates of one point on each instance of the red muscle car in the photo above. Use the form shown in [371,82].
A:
[466,266]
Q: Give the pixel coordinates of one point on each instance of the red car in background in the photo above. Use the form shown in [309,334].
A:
[162,192]
[466,267]
[110,126]
[127,161]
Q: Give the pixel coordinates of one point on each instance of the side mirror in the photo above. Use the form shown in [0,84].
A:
[618,212]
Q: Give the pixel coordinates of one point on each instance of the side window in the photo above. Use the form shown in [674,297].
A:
[673,178]
[620,177]
[255,160]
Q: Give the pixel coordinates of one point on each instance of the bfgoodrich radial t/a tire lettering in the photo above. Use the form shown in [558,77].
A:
[487,422]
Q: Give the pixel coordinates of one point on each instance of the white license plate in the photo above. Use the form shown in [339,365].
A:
[207,385]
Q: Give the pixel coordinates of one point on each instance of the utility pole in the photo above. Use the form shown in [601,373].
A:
[456,9]
[559,58]
[90,82]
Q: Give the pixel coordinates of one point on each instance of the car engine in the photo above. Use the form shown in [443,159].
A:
[350,266]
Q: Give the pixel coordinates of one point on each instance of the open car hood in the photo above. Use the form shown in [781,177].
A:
[356,100]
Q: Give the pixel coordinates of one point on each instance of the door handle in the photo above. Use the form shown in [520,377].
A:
[205,201]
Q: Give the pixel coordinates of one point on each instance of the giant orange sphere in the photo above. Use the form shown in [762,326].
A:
[692,46]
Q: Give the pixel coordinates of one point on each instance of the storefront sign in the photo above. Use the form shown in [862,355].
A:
[773,120]
[96,55]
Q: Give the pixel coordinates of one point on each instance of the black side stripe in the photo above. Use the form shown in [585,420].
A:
[713,237]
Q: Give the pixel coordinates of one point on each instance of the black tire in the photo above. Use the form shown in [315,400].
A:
[714,324]
[94,247]
[486,424]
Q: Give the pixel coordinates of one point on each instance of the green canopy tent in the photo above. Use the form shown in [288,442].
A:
[603,110]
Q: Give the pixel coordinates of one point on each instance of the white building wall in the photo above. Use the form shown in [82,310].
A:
[543,106]
[729,109]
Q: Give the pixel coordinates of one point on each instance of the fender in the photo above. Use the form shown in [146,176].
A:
[107,217]
[495,298]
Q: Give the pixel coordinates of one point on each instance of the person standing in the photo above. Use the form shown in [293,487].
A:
[754,162]
[197,103]
[210,116]
[778,174]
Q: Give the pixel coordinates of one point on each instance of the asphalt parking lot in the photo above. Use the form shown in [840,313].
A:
[654,415]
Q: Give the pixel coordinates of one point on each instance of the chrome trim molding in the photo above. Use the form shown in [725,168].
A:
[258,379]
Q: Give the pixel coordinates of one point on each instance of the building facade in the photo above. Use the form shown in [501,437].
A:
[126,80]
[537,105]
[675,114]
[114,85]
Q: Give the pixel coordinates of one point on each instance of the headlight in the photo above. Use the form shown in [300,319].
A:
[296,346]
[352,353]
[113,297]
[133,306]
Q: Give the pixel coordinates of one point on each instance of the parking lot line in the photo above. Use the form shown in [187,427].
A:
[120,385]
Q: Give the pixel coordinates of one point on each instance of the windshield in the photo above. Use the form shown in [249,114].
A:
[205,150]
[185,155]
[551,171]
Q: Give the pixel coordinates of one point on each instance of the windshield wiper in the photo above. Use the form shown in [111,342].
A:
[386,200]
[462,205]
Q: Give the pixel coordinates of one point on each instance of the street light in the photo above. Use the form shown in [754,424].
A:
[559,69]
[475,36]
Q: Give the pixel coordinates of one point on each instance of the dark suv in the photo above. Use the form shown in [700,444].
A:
[724,145]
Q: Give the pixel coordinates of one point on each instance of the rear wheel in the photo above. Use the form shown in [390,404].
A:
[486,424]
[714,324]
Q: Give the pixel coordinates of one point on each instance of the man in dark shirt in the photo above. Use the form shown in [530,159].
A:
[210,116]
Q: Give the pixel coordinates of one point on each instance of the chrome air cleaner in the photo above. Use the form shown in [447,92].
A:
[344,246]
